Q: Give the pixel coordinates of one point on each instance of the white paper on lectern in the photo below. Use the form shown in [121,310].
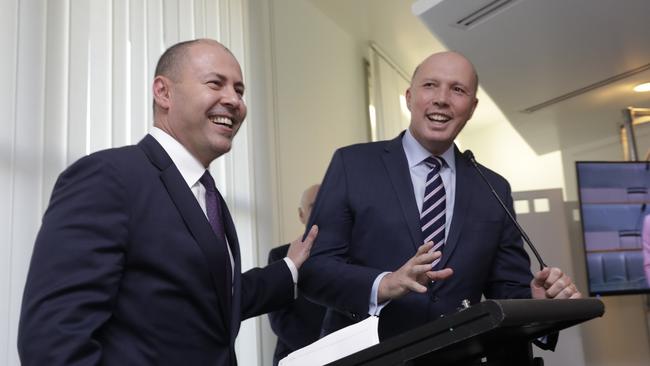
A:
[337,345]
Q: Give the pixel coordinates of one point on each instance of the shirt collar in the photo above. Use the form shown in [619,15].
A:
[416,153]
[189,166]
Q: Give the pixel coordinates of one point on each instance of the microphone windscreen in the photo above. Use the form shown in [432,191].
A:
[468,155]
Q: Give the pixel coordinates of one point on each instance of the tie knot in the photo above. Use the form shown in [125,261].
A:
[434,162]
[208,182]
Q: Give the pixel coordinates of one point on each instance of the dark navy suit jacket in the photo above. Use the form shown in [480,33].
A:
[369,223]
[126,270]
[297,324]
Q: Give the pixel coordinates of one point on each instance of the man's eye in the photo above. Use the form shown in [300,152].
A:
[459,90]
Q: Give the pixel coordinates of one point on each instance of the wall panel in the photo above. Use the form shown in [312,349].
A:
[55,124]
[100,96]
[27,157]
[78,88]
[171,16]
[9,42]
[121,74]
[138,70]
[199,18]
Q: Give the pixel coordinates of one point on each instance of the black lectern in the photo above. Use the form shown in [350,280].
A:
[493,332]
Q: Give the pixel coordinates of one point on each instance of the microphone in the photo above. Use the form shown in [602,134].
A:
[470,157]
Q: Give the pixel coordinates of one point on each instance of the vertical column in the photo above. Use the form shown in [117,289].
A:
[100,73]
[121,74]
[140,80]
[28,153]
[9,42]
[78,87]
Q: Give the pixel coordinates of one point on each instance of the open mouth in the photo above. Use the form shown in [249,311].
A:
[438,117]
[221,120]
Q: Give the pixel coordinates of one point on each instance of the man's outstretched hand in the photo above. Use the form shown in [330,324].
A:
[414,275]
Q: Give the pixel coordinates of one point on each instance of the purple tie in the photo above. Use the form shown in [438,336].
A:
[434,206]
[213,209]
[212,205]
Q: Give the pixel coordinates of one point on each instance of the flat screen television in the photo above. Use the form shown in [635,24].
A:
[614,208]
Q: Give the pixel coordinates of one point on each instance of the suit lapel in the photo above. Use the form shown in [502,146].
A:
[400,177]
[212,247]
[234,296]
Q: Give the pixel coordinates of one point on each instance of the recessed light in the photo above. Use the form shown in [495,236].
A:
[645,87]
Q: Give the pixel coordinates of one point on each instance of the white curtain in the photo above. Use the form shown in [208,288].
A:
[387,85]
[76,78]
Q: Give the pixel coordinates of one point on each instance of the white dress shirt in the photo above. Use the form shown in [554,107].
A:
[415,156]
[192,170]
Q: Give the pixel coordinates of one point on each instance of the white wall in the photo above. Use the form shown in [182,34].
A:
[320,100]
[389,114]
[497,145]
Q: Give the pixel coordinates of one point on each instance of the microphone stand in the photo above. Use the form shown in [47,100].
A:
[470,157]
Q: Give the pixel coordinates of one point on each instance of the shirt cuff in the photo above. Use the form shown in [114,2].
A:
[374,308]
[294,275]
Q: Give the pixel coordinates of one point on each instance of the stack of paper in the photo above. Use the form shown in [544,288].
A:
[337,345]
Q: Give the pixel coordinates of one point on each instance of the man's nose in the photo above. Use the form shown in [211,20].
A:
[441,97]
[231,98]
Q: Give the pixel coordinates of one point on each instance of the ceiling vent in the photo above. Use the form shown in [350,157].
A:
[586,89]
[483,13]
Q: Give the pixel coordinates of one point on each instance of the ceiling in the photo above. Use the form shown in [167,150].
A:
[529,52]
[402,36]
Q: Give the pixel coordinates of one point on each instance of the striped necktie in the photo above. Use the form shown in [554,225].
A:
[434,206]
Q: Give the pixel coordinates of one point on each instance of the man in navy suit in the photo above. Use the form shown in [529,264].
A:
[371,256]
[137,261]
[297,324]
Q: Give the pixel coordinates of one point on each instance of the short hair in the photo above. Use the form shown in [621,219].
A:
[417,68]
[170,61]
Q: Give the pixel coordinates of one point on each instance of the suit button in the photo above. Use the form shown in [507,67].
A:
[354,316]
[434,299]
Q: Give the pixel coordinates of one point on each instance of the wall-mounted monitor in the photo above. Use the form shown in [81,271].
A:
[615,212]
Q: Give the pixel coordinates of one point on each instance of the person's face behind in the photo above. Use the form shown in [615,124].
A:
[307,204]
[441,98]
[206,106]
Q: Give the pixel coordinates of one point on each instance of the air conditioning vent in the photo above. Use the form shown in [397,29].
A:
[586,89]
[482,13]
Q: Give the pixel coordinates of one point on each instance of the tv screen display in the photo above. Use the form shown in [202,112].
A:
[614,200]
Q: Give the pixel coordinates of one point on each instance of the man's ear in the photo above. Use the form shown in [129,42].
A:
[161,92]
[473,107]
[408,98]
[301,216]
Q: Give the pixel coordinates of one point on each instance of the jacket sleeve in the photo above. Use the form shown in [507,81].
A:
[284,322]
[328,277]
[266,289]
[76,267]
